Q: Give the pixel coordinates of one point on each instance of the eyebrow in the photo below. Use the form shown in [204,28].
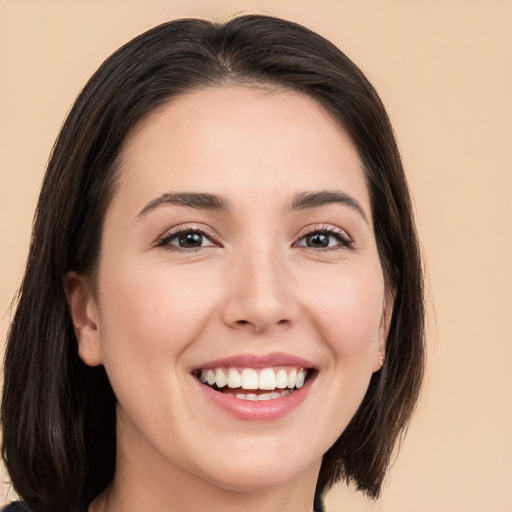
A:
[205,201]
[305,200]
[197,200]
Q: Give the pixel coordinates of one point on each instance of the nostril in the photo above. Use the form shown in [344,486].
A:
[284,321]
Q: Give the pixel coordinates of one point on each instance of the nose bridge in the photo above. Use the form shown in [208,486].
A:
[260,293]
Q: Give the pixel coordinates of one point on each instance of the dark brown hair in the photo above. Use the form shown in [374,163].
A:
[58,415]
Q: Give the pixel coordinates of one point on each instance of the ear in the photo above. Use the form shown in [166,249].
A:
[385,322]
[85,317]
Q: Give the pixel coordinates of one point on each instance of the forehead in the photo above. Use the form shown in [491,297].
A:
[240,138]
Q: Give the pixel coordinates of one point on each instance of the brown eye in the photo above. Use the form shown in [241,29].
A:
[188,239]
[317,240]
[326,239]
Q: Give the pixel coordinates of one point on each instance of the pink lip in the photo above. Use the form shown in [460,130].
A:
[257,361]
[263,410]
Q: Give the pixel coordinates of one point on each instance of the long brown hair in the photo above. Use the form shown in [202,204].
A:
[58,415]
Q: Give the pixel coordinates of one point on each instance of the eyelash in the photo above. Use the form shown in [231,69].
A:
[341,236]
[165,241]
[344,241]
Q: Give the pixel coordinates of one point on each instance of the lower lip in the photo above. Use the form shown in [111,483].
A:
[262,410]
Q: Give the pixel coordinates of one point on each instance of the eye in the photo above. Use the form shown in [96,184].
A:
[326,238]
[187,239]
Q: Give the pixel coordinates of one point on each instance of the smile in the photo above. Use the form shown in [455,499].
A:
[262,384]
[252,387]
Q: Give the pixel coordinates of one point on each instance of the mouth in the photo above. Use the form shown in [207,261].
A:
[252,387]
[254,384]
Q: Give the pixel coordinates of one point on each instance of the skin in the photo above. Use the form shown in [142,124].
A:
[155,311]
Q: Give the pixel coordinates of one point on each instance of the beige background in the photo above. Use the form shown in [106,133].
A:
[443,69]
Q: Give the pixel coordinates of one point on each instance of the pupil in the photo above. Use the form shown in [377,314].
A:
[318,240]
[191,240]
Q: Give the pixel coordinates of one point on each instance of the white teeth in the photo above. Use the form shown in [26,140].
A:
[210,377]
[292,378]
[267,379]
[249,379]
[220,378]
[234,380]
[264,396]
[301,377]
[281,379]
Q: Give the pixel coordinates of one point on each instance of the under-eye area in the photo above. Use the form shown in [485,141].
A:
[255,384]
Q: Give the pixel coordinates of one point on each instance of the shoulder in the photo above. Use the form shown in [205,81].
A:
[16,506]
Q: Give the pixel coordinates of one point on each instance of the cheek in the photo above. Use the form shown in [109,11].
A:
[348,312]
[150,316]
[150,313]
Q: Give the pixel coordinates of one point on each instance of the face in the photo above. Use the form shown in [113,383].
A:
[239,305]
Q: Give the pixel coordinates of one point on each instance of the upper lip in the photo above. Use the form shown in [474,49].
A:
[256,361]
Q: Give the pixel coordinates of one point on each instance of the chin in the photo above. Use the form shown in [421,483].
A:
[257,477]
[252,470]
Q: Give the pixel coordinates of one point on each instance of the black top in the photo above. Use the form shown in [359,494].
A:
[18,506]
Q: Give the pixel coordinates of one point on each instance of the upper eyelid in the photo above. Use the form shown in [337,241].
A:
[346,241]
[200,228]
[214,237]
[323,227]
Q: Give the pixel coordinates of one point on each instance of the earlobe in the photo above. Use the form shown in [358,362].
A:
[84,315]
[385,322]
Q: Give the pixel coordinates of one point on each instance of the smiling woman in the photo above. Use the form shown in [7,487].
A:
[222,307]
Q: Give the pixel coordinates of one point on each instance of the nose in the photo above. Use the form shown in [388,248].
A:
[260,294]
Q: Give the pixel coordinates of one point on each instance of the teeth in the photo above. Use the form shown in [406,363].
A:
[292,378]
[249,379]
[268,379]
[281,379]
[256,398]
[220,378]
[234,380]
[210,377]
[301,377]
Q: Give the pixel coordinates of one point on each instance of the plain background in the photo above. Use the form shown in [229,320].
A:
[444,71]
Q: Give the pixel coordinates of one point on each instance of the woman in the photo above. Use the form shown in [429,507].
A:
[222,306]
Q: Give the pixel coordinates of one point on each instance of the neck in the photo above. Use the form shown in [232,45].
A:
[129,493]
[154,483]
[138,500]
